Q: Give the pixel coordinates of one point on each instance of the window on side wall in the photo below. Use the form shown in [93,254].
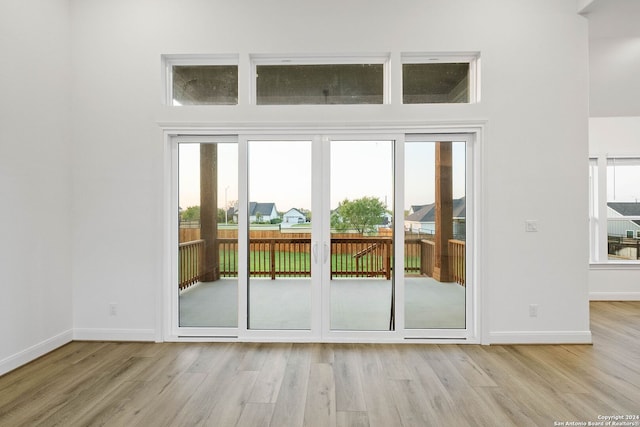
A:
[615,238]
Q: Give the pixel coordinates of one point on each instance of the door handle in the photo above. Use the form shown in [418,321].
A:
[315,253]
[325,254]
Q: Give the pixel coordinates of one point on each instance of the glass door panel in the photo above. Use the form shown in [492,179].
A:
[435,235]
[361,217]
[208,235]
[279,218]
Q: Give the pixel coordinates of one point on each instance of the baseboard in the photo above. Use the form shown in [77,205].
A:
[25,356]
[114,334]
[541,337]
[614,296]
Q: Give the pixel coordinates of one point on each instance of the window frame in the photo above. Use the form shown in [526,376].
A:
[169,61]
[598,212]
[346,59]
[471,58]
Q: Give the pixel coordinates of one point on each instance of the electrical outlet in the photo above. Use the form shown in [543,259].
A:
[113,309]
[533,310]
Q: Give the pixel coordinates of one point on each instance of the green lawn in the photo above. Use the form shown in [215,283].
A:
[260,262]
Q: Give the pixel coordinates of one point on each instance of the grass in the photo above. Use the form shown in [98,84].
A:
[260,262]
[297,262]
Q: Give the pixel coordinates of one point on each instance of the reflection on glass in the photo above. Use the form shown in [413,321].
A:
[320,84]
[435,235]
[361,285]
[208,235]
[435,83]
[279,235]
[205,84]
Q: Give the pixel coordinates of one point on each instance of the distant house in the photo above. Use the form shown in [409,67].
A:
[231,213]
[385,221]
[629,228]
[415,208]
[259,212]
[422,218]
[293,216]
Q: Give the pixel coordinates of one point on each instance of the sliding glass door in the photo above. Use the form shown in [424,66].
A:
[320,237]
[279,219]
[361,278]
[207,235]
[436,237]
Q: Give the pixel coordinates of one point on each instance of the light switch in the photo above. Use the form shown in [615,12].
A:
[531,226]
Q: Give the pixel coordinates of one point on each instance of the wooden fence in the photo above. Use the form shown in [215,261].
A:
[457,249]
[190,260]
[188,234]
[428,258]
[361,257]
[292,257]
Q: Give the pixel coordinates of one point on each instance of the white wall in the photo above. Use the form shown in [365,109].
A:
[615,67]
[534,98]
[614,136]
[614,58]
[35,180]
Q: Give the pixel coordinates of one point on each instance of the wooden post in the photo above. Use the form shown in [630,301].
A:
[272,255]
[444,211]
[387,259]
[209,211]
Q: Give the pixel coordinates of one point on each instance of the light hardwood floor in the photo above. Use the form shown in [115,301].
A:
[234,384]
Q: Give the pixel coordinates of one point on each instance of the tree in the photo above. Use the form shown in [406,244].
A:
[221,216]
[192,213]
[306,213]
[361,215]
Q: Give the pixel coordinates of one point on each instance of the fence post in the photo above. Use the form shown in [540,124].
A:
[272,254]
[387,249]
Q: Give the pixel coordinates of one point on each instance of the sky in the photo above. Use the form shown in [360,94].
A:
[623,181]
[280,172]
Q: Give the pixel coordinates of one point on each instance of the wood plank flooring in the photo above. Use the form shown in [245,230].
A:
[256,384]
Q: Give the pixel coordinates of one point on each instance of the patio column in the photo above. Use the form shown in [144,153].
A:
[444,211]
[209,211]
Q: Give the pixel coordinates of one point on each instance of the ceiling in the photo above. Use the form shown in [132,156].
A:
[613,18]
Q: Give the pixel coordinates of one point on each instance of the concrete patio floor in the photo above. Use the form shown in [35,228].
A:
[356,304]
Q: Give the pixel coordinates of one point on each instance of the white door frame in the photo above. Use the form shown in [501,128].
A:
[286,335]
[476,331]
[361,335]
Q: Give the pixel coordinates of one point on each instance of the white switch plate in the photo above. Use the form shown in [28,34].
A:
[531,226]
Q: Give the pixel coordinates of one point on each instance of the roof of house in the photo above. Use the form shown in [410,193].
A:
[256,208]
[626,209]
[295,210]
[428,212]
[416,208]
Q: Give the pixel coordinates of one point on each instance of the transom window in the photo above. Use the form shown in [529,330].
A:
[201,81]
[320,84]
[315,80]
[433,79]
[320,80]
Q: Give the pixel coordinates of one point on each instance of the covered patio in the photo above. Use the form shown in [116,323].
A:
[279,266]
[356,304]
